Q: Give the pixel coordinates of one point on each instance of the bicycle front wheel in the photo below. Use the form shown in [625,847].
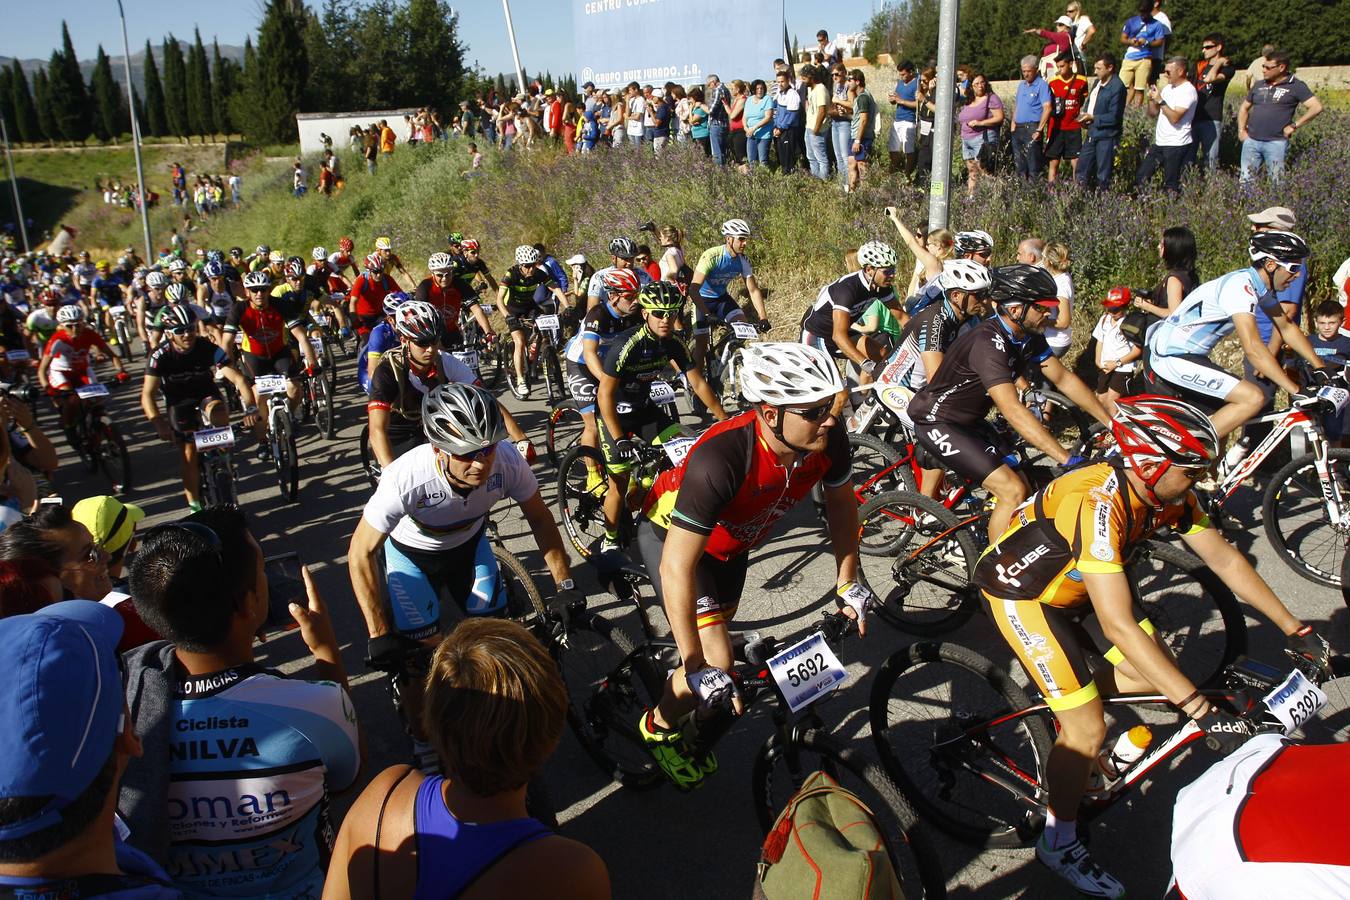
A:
[1297,521]
[782,765]
[564,430]
[1194,612]
[113,458]
[323,406]
[944,727]
[917,557]
[369,464]
[522,594]
[285,458]
[607,694]
[581,494]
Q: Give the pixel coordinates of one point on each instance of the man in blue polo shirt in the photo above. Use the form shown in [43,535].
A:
[1144,35]
[904,137]
[67,742]
[1031,110]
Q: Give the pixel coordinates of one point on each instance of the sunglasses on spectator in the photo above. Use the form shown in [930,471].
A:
[642,259]
[811,413]
[1270,65]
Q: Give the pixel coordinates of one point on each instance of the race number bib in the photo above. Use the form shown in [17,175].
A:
[17,355]
[662,392]
[213,438]
[744,331]
[678,448]
[90,391]
[1337,397]
[1295,701]
[547,323]
[269,384]
[317,344]
[807,671]
[117,310]
[468,357]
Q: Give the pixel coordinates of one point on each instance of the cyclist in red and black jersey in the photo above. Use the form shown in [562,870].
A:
[261,325]
[705,515]
[447,291]
[365,300]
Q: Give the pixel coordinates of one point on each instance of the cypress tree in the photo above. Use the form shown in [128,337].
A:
[109,117]
[222,87]
[200,119]
[67,98]
[25,110]
[434,63]
[46,125]
[175,88]
[241,101]
[154,121]
[282,66]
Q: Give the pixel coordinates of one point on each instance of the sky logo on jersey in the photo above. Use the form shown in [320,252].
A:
[943,442]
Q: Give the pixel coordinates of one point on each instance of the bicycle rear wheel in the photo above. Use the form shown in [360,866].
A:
[1296,518]
[781,767]
[917,556]
[113,458]
[582,510]
[553,376]
[876,466]
[564,430]
[941,722]
[607,695]
[1194,612]
[369,464]
[285,458]
[329,365]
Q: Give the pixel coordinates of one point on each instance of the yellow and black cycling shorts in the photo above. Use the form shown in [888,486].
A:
[1053,642]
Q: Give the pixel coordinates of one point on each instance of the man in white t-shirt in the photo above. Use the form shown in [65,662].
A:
[637,108]
[1173,146]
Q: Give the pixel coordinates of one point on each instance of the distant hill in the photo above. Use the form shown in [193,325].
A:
[228,51]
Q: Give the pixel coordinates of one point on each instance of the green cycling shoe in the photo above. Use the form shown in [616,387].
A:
[672,754]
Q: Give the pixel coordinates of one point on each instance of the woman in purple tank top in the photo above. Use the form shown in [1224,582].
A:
[467,834]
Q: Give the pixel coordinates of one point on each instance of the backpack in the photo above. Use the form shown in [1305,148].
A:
[826,845]
[1134,327]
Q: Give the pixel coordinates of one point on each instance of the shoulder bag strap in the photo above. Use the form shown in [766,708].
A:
[379,825]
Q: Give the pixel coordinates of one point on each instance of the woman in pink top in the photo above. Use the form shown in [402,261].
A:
[981,118]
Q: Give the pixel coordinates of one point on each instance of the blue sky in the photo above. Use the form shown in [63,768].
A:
[543,27]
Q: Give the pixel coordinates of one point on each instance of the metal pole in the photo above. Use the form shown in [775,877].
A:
[939,189]
[135,137]
[515,53]
[14,185]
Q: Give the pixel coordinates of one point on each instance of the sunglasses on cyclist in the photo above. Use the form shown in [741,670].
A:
[811,413]
[425,343]
[1292,268]
[481,453]
[181,330]
[663,313]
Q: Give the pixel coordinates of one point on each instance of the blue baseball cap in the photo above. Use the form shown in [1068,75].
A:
[60,714]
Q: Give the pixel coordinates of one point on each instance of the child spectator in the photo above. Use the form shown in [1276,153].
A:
[1332,346]
[1116,354]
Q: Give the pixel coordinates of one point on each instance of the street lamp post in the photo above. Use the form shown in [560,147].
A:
[14,185]
[515,54]
[135,137]
[939,188]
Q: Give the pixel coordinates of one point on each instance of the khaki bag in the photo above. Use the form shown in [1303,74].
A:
[826,845]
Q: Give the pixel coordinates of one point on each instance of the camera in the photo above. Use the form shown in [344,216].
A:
[26,393]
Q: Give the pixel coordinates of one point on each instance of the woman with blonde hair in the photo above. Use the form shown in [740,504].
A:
[1059,333]
[494,709]
[673,266]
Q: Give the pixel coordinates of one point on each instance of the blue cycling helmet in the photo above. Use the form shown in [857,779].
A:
[213,269]
[392,301]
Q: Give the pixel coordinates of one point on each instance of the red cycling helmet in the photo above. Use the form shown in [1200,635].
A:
[346,245]
[1154,429]
[1118,297]
[620,281]
[374,263]
[468,244]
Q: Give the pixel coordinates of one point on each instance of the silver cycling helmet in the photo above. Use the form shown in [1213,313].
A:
[461,418]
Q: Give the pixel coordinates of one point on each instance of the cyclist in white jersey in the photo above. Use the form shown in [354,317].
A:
[429,518]
[1179,346]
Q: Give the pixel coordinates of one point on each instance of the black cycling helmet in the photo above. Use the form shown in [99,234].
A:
[178,319]
[1281,246]
[967,242]
[1022,283]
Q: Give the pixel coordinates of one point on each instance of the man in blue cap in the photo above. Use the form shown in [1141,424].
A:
[67,743]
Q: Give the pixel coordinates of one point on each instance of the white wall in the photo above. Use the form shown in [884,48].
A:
[336,126]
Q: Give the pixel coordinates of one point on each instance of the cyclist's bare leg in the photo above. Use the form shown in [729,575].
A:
[677,700]
[518,354]
[930,482]
[192,487]
[614,499]
[1009,488]
[1125,678]
[1082,731]
[1241,405]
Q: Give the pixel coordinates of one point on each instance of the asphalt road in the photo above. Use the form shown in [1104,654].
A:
[660,843]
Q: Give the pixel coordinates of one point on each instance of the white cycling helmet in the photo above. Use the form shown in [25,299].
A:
[965,275]
[258,280]
[319,254]
[973,242]
[526,255]
[68,314]
[736,228]
[876,254]
[461,418]
[417,320]
[783,373]
[156,280]
[440,262]
[178,266]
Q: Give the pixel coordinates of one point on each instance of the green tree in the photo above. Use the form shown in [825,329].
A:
[46,125]
[200,119]
[381,57]
[110,115]
[175,88]
[435,57]
[224,82]
[67,98]
[241,100]
[333,58]
[25,110]
[276,85]
[154,122]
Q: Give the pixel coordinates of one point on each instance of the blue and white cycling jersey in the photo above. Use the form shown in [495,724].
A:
[602,326]
[1205,317]
[253,757]
[382,338]
[720,267]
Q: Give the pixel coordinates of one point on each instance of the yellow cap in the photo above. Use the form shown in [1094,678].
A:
[110,521]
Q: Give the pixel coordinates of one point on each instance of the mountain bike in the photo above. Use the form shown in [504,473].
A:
[322,342]
[970,746]
[582,481]
[122,329]
[316,399]
[613,679]
[541,354]
[215,464]
[726,340]
[563,430]
[97,441]
[271,392]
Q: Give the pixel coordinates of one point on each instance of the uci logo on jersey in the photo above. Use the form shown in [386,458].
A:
[435,498]
[1008,574]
